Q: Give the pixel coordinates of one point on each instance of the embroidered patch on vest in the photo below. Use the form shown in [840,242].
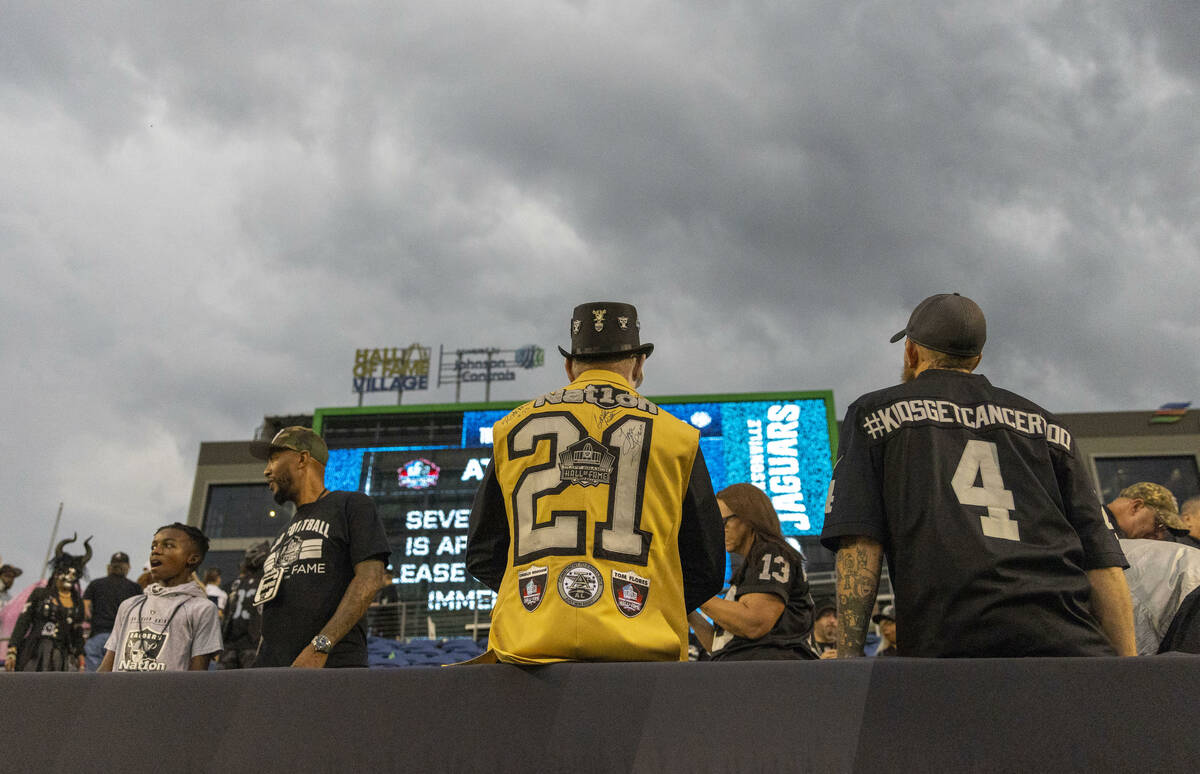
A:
[586,462]
[580,584]
[630,591]
[532,585]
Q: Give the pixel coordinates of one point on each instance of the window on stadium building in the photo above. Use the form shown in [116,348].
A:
[243,511]
[1179,473]
[228,562]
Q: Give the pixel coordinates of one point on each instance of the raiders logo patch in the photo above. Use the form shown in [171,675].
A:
[580,584]
[141,651]
[532,585]
[629,592]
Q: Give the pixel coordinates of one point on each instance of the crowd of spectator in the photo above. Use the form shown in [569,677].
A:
[1156,536]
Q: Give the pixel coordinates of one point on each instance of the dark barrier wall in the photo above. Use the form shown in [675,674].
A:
[1085,715]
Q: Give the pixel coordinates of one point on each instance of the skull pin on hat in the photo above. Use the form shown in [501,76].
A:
[606,329]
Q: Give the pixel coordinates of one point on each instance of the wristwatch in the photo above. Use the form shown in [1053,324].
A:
[321,644]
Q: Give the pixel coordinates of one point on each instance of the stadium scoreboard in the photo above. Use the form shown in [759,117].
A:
[423,464]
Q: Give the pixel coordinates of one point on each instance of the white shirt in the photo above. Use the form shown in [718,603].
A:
[218,596]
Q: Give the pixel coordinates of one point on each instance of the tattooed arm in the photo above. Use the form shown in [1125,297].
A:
[859,560]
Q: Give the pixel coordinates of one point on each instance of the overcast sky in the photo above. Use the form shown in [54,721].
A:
[206,208]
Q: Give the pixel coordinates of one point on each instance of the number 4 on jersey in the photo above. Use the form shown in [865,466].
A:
[981,461]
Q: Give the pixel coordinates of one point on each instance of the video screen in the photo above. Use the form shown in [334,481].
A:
[782,444]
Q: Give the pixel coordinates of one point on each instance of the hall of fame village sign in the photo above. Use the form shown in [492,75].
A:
[405,369]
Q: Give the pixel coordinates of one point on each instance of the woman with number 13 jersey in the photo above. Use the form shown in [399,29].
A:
[596,523]
[767,612]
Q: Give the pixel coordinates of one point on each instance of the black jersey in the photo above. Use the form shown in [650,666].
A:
[243,620]
[986,515]
[768,569]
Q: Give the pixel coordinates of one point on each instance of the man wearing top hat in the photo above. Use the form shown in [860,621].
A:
[596,523]
[325,567]
[996,541]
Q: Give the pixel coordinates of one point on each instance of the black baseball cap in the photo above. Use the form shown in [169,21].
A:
[947,323]
[824,606]
[119,557]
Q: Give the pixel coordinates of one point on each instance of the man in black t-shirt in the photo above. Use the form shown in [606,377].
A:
[324,568]
[101,599]
[996,541]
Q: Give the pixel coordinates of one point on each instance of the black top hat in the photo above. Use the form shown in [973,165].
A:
[606,329]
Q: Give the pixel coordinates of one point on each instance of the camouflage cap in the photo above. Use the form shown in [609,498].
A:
[1160,499]
[296,438]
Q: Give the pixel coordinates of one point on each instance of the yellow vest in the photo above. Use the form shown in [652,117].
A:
[593,478]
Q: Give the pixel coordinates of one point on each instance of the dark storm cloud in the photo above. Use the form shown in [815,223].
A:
[210,207]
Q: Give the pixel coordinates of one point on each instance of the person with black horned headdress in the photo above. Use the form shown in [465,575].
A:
[48,635]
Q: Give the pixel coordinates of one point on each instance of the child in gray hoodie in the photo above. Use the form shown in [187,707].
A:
[173,626]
